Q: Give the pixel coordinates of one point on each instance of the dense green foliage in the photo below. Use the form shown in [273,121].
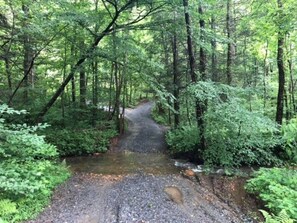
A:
[282,217]
[28,170]
[289,132]
[80,141]
[234,134]
[278,188]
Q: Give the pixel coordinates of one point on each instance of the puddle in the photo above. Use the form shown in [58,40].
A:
[124,163]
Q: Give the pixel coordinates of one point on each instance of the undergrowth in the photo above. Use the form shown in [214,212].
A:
[29,170]
[277,187]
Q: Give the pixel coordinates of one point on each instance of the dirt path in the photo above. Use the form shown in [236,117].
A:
[136,197]
[143,135]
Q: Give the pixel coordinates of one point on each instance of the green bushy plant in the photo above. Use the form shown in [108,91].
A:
[282,217]
[237,136]
[183,139]
[277,187]
[28,169]
[72,142]
[158,116]
[234,134]
[289,137]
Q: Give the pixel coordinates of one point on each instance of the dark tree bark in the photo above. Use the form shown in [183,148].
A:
[82,88]
[175,80]
[8,73]
[281,72]
[201,105]
[28,55]
[198,103]
[73,94]
[266,72]
[229,50]
[214,74]
[202,58]
[95,83]
[292,87]
[191,55]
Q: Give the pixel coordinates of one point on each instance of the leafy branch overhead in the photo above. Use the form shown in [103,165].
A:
[112,26]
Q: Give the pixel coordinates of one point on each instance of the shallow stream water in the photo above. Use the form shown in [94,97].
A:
[122,163]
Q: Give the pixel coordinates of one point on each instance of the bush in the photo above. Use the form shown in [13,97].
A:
[28,170]
[80,142]
[159,114]
[184,139]
[277,187]
[289,137]
[234,135]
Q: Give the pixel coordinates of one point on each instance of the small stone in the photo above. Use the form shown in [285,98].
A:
[175,194]
[189,173]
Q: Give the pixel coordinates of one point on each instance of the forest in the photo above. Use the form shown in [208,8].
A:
[222,74]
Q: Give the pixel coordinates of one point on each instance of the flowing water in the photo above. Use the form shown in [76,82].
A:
[123,163]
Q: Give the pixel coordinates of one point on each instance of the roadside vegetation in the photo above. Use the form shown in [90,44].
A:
[29,169]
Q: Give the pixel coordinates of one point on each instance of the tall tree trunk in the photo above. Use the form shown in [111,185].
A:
[82,88]
[198,106]
[230,45]
[95,83]
[73,94]
[281,71]
[201,108]
[202,58]
[28,54]
[291,85]
[214,74]
[111,89]
[191,55]
[175,80]
[287,109]
[266,71]
[8,73]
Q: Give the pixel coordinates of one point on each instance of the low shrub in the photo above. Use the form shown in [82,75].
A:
[289,137]
[183,139]
[159,114]
[71,142]
[28,170]
[277,187]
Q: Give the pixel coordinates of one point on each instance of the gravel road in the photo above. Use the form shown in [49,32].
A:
[138,197]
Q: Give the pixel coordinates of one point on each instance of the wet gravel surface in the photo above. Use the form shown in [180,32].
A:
[136,198]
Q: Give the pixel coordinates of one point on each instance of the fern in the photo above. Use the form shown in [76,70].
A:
[282,217]
[7,207]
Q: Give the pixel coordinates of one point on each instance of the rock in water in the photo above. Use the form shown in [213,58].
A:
[189,173]
[175,194]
